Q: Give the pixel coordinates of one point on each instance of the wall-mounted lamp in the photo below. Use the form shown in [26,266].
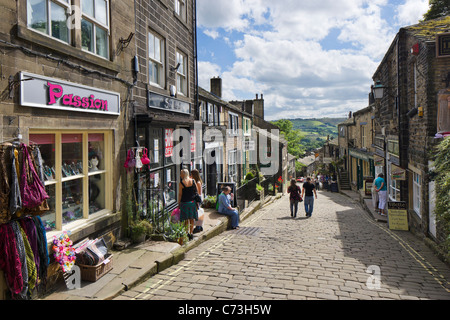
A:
[378,90]
[412,113]
[175,68]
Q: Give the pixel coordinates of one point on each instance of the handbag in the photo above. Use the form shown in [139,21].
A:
[197,198]
[145,160]
[32,191]
[130,162]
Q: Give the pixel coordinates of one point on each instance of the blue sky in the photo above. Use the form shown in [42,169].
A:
[310,58]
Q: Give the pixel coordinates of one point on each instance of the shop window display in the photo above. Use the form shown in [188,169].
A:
[75,175]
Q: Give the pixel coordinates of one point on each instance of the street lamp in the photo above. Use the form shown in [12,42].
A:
[378,90]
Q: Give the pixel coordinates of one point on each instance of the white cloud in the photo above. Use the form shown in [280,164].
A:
[412,11]
[284,51]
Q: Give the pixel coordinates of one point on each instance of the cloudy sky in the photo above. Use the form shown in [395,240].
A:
[310,58]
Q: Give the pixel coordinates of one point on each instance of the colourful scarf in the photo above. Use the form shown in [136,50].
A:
[10,260]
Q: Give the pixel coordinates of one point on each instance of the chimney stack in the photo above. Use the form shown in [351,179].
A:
[216,86]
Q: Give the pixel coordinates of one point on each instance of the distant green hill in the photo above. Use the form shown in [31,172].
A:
[316,131]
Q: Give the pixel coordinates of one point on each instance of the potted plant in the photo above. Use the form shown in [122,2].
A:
[259,192]
[177,233]
[139,230]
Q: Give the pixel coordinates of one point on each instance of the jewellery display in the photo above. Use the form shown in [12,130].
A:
[48,173]
[72,169]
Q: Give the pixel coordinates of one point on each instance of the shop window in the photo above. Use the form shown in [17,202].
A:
[49,17]
[157,184]
[76,176]
[95,27]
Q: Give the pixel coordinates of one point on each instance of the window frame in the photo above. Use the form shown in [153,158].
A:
[417,189]
[232,164]
[152,60]
[181,76]
[101,25]
[59,180]
[394,190]
[181,9]
[233,123]
[48,32]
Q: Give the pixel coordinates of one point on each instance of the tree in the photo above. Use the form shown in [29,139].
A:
[293,137]
[438,9]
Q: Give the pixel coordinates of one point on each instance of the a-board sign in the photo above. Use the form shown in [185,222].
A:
[398,216]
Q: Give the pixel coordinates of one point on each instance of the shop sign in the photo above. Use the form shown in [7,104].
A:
[398,216]
[193,142]
[158,101]
[378,161]
[398,173]
[168,142]
[249,145]
[43,92]
[443,45]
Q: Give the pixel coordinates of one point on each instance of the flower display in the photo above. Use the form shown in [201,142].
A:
[63,252]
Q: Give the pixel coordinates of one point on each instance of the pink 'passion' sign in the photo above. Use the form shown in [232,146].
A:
[44,92]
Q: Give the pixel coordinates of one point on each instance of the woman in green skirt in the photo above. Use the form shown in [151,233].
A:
[186,201]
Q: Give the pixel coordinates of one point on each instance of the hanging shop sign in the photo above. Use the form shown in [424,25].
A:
[398,173]
[158,101]
[378,161]
[398,216]
[49,93]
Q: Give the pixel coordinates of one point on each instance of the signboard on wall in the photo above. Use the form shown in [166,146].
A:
[443,45]
[398,216]
[50,93]
[157,101]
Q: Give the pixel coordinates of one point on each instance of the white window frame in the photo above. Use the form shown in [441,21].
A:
[48,15]
[158,61]
[394,191]
[363,136]
[97,23]
[247,127]
[232,164]
[210,116]
[234,123]
[182,73]
[417,189]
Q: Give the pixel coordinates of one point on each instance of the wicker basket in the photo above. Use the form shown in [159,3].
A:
[93,273]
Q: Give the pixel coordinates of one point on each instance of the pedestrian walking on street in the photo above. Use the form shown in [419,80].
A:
[308,192]
[381,188]
[186,201]
[226,209]
[294,197]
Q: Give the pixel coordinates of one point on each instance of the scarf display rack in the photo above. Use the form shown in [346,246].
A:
[24,257]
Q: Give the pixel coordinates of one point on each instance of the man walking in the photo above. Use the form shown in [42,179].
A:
[308,192]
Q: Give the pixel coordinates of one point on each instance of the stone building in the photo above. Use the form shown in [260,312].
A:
[412,111]
[66,79]
[165,100]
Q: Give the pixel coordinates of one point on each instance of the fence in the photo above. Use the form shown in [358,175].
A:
[247,193]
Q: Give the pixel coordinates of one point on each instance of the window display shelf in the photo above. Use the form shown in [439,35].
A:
[74,177]
[93,173]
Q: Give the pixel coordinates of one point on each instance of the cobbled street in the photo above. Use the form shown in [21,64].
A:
[338,253]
